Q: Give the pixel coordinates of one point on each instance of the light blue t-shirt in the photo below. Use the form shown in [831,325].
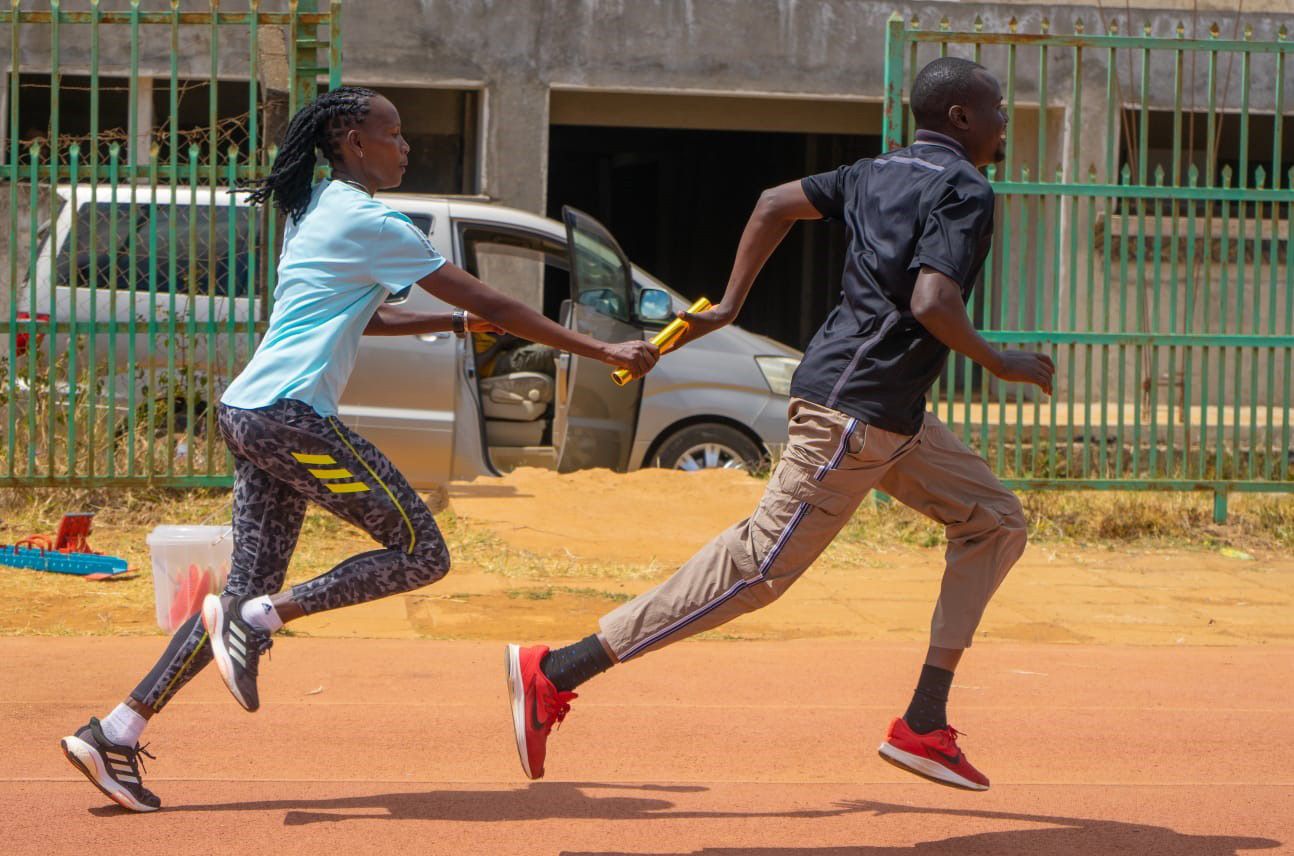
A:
[339,262]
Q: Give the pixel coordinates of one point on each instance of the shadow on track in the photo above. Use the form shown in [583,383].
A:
[1050,834]
[1056,836]
[539,800]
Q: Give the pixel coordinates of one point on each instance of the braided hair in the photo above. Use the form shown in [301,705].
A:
[318,125]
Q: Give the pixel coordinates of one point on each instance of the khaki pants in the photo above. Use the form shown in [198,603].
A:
[830,463]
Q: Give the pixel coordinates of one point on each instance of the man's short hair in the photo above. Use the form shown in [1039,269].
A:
[941,84]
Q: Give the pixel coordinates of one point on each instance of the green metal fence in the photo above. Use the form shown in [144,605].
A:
[134,283]
[1142,239]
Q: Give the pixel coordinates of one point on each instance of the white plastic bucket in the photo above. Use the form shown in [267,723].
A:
[189,562]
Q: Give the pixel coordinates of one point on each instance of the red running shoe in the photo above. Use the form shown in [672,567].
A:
[537,706]
[934,756]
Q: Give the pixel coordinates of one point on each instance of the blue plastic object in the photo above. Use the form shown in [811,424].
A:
[78,564]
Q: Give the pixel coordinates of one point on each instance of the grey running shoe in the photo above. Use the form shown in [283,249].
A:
[237,646]
[111,768]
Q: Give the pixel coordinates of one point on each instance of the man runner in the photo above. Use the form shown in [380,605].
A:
[920,223]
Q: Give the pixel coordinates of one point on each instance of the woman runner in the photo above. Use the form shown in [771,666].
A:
[343,253]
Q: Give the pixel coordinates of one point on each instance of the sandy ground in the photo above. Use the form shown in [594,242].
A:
[542,556]
[1063,593]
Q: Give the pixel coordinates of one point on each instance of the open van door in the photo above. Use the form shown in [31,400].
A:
[594,420]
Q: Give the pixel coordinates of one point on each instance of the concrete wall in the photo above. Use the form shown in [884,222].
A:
[516,50]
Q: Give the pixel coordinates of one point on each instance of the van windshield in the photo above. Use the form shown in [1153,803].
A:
[202,259]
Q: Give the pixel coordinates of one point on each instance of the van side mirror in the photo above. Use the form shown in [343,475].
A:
[655,305]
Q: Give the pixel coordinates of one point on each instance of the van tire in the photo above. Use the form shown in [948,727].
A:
[709,445]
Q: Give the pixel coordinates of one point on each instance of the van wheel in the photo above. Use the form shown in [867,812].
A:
[709,446]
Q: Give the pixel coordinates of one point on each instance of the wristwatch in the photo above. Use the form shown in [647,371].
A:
[459,321]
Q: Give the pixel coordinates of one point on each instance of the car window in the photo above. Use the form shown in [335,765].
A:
[519,263]
[203,261]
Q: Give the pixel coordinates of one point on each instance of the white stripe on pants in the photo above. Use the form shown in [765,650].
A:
[830,464]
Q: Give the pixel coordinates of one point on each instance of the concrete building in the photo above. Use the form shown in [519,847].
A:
[664,118]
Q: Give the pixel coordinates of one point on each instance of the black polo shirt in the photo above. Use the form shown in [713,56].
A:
[922,206]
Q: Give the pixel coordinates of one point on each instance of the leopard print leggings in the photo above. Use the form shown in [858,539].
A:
[286,455]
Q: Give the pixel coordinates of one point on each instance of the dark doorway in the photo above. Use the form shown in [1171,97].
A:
[677,201]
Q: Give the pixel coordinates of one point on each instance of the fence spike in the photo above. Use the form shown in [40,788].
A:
[1146,29]
[978,24]
[1079,26]
[1159,175]
[1024,172]
[1282,33]
[1013,24]
[1125,174]
[945,24]
[1193,175]
[1260,176]
[232,151]
[1114,27]
[1249,32]
[1214,30]
[991,171]
[1226,175]
[1091,173]
[1045,26]
[1181,30]
[915,23]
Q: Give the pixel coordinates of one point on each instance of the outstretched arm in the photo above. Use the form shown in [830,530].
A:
[399,321]
[777,210]
[459,288]
[937,305]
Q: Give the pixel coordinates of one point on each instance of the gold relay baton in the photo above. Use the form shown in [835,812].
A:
[666,339]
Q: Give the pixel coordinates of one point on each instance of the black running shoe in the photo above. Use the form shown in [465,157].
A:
[111,768]
[237,646]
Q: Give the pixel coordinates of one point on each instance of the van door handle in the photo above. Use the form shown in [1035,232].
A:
[435,337]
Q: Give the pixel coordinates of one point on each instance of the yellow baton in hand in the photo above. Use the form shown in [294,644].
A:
[666,339]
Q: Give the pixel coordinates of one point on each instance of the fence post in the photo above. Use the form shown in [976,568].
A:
[1220,506]
[892,111]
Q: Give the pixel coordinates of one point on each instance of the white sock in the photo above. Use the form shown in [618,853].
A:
[261,614]
[123,726]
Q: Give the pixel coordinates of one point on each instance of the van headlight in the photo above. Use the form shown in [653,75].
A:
[777,372]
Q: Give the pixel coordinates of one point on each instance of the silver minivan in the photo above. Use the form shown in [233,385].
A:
[433,403]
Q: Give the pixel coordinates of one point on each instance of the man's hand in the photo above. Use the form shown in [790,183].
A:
[703,323]
[1025,367]
[477,324]
[637,357]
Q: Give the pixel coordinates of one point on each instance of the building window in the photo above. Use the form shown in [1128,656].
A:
[74,113]
[193,117]
[442,129]
[1194,148]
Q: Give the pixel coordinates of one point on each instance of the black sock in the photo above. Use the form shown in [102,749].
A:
[928,712]
[571,666]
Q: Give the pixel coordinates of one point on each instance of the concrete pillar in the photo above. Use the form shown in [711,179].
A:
[514,165]
[140,146]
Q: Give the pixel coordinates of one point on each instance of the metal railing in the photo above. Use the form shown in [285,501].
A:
[135,283]
[1142,239]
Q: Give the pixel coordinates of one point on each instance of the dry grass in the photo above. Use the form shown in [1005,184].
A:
[1183,520]
[54,604]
